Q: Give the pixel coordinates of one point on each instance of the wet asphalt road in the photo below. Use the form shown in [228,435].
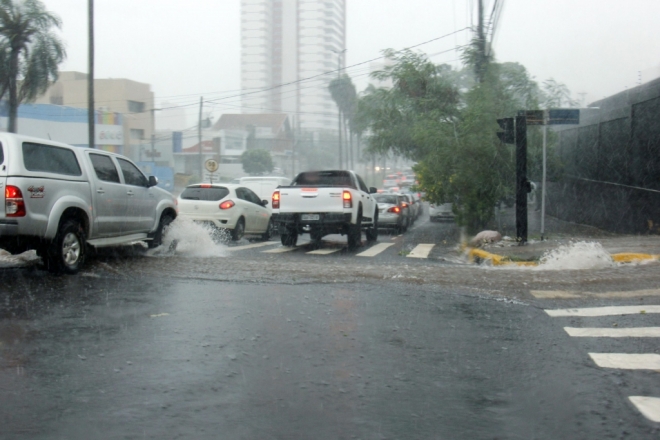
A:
[175,347]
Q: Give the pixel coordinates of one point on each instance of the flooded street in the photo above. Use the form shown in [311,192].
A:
[231,341]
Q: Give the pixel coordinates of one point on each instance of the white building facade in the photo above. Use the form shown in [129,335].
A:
[290,51]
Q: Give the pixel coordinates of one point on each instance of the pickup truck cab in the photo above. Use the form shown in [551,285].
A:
[60,199]
[325,202]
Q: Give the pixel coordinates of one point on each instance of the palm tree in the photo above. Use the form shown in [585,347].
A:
[342,91]
[29,52]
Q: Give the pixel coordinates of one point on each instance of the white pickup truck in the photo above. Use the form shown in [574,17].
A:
[58,199]
[325,202]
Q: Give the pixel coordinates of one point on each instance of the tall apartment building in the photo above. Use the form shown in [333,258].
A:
[284,42]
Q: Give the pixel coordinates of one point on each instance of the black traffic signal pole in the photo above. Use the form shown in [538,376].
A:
[521,179]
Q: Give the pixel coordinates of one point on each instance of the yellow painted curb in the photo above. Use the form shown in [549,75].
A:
[497,260]
[631,257]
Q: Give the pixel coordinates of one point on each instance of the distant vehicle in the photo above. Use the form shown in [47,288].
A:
[393,212]
[390,181]
[442,211]
[230,207]
[263,186]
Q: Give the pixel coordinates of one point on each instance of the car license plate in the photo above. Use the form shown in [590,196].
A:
[310,217]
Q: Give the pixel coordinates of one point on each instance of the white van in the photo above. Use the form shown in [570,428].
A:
[263,186]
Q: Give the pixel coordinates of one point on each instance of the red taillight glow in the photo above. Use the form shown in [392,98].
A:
[275,200]
[405,205]
[227,204]
[14,204]
[205,185]
[348,199]
[394,209]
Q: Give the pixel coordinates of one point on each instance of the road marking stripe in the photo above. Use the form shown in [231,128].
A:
[375,250]
[625,361]
[545,294]
[421,251]
[280,250]
[648,406]
[604,311]
[635,332]
[251,246]
[324,251]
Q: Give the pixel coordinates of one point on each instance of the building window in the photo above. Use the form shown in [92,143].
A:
[137,133]
[135,106]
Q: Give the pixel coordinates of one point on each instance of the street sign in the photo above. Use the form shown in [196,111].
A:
[563,116]
[533,117]
[211,165]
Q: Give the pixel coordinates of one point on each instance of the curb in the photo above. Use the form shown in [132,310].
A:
[474,255]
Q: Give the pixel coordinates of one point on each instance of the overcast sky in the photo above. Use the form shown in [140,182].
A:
[187,49]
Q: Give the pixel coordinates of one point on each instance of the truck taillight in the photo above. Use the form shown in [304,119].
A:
[276,200]
[348,199]
[14,204]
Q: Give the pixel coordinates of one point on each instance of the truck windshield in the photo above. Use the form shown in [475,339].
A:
[324,178]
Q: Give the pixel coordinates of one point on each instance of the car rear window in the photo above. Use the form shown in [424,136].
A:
[211,194]
[324,178]
[50,159]
[386,199]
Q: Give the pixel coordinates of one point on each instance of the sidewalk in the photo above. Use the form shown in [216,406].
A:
[559,233]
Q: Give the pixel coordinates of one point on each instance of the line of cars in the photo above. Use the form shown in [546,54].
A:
[398,211]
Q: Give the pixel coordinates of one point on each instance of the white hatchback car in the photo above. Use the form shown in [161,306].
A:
[230,207]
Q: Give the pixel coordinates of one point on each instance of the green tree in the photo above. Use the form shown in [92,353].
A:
[29,52]
[257,162]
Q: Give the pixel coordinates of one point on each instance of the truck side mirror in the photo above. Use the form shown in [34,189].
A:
[153,181]
[373,190]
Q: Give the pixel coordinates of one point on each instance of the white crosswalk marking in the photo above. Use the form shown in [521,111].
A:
[280,250]
[325,251]
[635,332]
[649,406]
[626,361]
[546,294]
[251,246]
[604,311]
[421,251]
[375,250]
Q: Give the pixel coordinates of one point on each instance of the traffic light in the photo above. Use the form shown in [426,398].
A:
[508,135]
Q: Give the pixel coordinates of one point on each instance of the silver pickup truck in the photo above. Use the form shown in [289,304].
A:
[325,202]
[59,199]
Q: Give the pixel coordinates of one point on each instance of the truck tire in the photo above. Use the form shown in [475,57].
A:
[354,233]
[164,222]
[372,231]
[289,238]
[67,251]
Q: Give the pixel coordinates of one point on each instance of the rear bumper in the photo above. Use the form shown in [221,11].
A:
[8,228]
[328,222]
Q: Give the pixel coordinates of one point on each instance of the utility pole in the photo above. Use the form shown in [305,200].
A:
[199,138]
[91,141]
[481,48]
[341,153]
[522,184]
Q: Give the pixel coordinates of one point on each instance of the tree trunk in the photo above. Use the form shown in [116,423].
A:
[13,92]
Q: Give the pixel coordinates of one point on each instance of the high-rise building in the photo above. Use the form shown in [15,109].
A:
[290,51]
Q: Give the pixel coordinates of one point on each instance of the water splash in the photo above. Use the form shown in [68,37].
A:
[194,240]
[576,256]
